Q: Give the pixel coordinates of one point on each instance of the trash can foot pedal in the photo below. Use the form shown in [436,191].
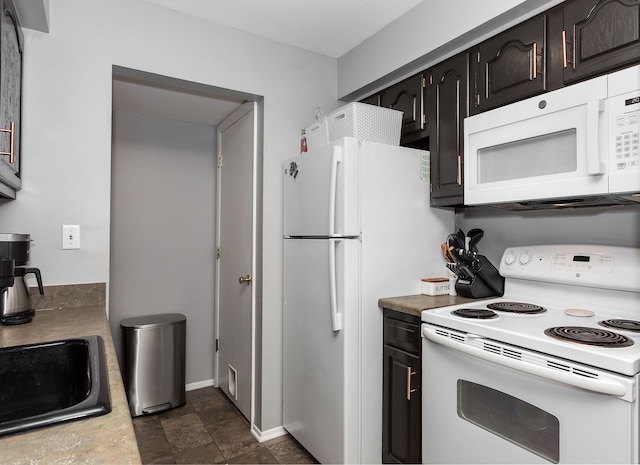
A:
[157,408]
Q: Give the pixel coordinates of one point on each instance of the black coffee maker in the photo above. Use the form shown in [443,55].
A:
[16,306]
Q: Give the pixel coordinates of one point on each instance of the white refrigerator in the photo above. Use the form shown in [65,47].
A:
[357,227]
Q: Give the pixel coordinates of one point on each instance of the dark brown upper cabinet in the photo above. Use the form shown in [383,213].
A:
[408,97]
[599,36]
[576,40]
[573,41]
[11,50]
[447,106]
[373,100]
[510,66]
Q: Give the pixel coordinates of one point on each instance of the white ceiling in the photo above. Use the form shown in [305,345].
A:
[328,27]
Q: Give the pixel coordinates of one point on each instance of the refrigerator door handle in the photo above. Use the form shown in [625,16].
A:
[336,158]
[336,316]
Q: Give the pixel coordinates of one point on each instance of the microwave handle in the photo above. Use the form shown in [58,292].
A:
[595,166]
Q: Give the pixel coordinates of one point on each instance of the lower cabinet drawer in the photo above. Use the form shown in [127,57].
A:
[401,333]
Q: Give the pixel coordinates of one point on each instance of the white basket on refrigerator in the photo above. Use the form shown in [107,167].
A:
[317,134]
[365,122]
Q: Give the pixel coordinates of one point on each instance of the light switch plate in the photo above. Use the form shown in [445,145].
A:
[70,236]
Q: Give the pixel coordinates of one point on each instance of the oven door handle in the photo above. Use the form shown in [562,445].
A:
[600,385]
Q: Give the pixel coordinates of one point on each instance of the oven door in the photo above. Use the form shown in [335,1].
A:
[478,410]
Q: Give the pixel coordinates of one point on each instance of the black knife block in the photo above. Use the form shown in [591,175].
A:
[486,281]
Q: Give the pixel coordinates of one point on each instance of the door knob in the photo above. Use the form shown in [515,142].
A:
[245,279]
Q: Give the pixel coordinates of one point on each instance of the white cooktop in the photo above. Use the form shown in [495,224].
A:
[583,280]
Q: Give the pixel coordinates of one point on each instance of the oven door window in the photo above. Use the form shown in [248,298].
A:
[510,418]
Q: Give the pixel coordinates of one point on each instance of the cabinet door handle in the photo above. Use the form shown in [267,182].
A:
[534,65]
[565,57]
[459,180]
[12,132]
[409,390]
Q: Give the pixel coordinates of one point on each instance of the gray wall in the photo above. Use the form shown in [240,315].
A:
[163,188]
[597,225]
[67,118]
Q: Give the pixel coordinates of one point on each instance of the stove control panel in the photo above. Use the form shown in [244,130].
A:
[601,263]
[608,267]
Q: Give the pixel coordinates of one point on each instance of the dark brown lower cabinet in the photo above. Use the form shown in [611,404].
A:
[402,380]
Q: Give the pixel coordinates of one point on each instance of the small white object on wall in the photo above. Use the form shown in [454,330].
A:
[70,236]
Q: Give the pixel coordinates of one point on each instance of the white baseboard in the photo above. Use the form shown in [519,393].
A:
[198,385]
[272,433]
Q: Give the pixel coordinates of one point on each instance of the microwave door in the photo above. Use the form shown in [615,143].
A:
[540,148]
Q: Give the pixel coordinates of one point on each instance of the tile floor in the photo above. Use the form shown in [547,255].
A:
[209,429]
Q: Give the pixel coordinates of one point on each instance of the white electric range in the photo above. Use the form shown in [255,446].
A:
[548,372]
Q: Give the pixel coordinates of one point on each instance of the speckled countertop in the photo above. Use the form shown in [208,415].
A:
[416,304]
[107,439]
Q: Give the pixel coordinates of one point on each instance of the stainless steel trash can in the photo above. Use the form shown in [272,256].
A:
[154,359]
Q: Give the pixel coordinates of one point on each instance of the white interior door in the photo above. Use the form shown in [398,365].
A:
[236,256]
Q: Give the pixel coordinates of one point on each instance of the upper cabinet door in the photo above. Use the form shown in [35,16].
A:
[598,36]
[408,97]
[447,95]
[10,98]
[510,66]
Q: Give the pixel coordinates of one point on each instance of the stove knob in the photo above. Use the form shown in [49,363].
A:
[525,258]
[510,259]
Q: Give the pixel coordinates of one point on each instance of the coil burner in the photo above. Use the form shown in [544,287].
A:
[477,313]
[590,336]
[627,325]
[517,307]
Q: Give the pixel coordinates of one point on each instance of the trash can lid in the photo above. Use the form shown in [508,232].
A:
[150,321]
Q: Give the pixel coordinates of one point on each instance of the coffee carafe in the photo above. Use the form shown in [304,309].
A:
[16,306]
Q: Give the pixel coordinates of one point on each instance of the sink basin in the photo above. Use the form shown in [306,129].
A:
[51,382]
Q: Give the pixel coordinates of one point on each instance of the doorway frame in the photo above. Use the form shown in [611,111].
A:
[207,90]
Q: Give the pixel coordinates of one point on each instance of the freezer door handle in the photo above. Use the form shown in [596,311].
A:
[336,316]
[336,158]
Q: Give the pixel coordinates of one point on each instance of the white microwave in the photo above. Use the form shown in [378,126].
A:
[575,146]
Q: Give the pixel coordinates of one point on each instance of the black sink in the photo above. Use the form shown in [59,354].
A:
[51,382]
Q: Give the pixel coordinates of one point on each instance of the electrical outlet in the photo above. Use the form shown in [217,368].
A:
[70,236]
